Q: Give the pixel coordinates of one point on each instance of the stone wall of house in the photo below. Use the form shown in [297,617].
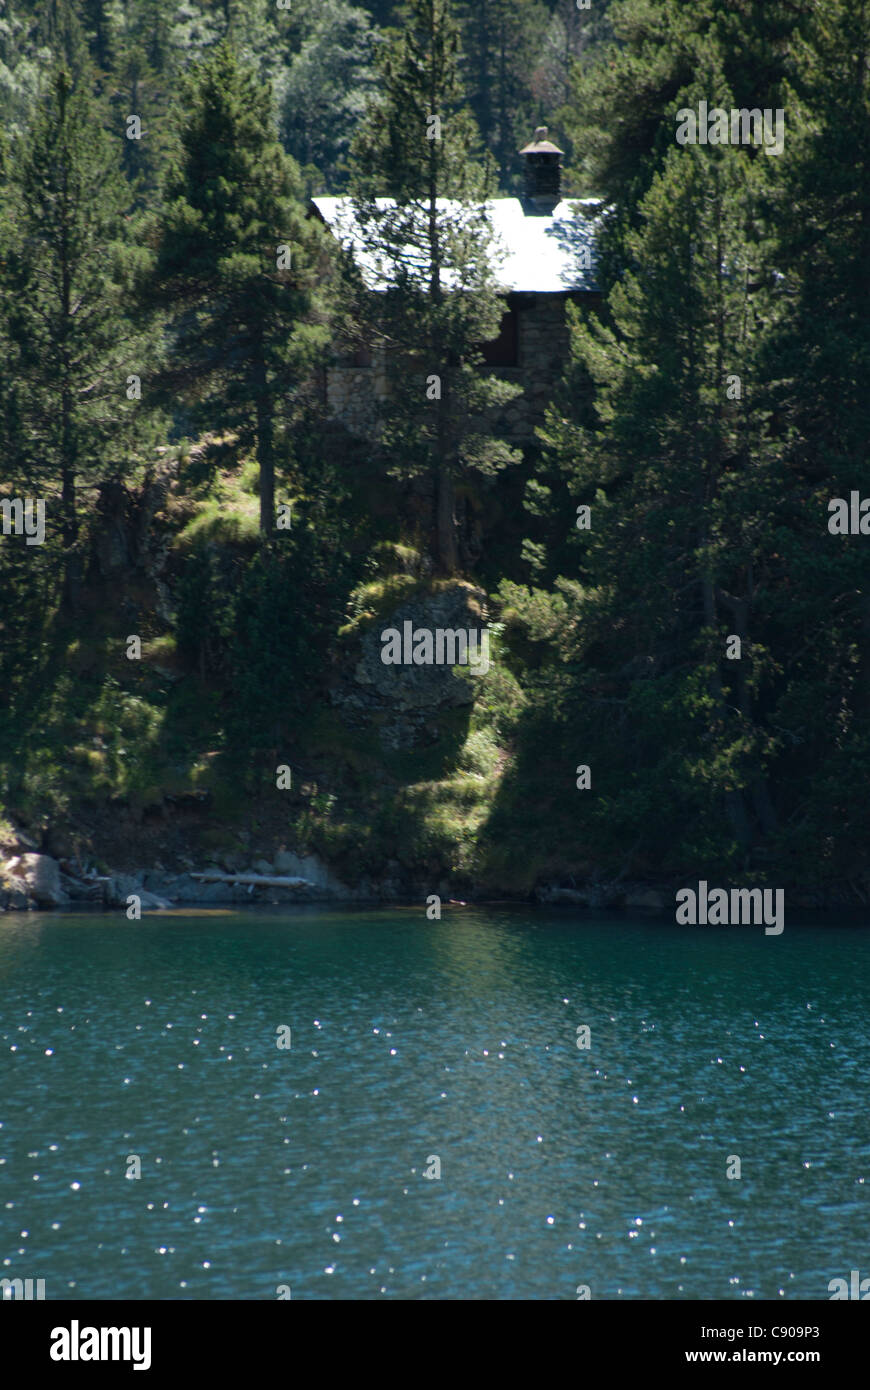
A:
[352,392]
[542,354]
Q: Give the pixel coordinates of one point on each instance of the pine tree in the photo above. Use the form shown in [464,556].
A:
[710,517]
[59,28]
[569,34]
[683,487]
[503,41]
[323,93]
[383,12]
[138,102]
[254,29]
[619,119]
[817,369]
[99,18]
[67,287]
[237,264]
[22,65]
[436,299]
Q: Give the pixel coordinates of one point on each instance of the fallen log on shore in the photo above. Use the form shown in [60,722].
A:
[255,880]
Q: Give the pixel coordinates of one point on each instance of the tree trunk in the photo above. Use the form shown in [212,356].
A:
[735,803]
[445,520]
[265,449]
[758,789]
[71,565]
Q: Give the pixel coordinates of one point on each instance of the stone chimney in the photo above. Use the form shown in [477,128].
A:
[542,174]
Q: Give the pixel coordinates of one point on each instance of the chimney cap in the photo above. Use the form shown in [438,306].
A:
[540,144]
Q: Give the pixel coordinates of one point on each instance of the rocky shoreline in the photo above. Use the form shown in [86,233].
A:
[34,881]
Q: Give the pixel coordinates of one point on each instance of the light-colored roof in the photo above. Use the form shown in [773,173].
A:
[541,144]
[539,254]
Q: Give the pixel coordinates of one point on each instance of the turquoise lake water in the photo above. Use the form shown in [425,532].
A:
[413,1040]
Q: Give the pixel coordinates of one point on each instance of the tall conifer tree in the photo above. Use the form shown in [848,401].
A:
[421,206]
[503,41]
[67,288]
[683,486]
[817,374]
[238,265]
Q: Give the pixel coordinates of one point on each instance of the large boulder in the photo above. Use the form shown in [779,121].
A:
[15,899]
[80,890]
[40,879]
[402,700]
[120,887]
[150,902]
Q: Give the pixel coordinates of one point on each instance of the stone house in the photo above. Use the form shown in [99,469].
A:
[546,256]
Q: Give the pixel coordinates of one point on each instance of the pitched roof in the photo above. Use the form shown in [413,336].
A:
[540,254]
[540,144]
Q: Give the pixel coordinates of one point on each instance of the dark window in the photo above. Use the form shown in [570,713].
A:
[354,357]
[503,351]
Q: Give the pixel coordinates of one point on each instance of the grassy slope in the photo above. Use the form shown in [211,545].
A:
[125,763]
